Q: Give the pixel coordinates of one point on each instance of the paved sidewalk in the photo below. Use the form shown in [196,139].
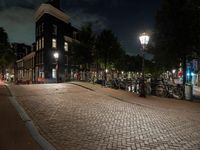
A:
[150,101]
[13,133]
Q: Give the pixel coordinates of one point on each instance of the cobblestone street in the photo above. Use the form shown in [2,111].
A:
[71,117]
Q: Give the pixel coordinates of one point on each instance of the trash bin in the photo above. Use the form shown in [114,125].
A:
[188,91]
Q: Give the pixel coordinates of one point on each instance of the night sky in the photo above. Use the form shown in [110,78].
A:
[126,18]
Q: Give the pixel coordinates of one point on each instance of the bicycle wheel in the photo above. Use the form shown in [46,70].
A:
[177,93]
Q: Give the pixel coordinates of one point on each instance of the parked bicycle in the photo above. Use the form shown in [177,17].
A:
[169,90]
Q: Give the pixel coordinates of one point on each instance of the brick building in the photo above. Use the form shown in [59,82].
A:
[54,33]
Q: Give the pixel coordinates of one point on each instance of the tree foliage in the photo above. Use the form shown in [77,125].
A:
[105,51]
[177,32]
[7,56]
[97,49]
[109,50]
[83,51]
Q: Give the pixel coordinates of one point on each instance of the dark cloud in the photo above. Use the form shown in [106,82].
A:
[17,18]
[35,3]
[127,18]
[80,17]
[4,4]
[19,24]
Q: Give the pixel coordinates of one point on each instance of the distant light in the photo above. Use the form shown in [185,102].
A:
[106,70]
[192,74]
[174,70]
[188,74]
[122,72]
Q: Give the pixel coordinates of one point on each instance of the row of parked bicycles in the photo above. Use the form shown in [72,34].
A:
[158,87]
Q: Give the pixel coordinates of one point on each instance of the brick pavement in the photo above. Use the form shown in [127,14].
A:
[166,104]
[71,117]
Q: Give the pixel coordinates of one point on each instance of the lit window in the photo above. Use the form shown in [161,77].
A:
[54,43]
[41,74]
[54,29]
[54,73]
[42,42]
[66,46]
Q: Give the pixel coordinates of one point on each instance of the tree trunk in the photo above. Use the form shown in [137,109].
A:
[184,70]
[3,72]
[184,75]
[97,70]
[105,73]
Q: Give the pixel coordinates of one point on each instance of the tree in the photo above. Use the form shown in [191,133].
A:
[109,50]
[177,33]
[83,50]
[7,56]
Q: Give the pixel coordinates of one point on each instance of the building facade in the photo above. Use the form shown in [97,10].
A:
[26,69]
[54,33]
[21,51]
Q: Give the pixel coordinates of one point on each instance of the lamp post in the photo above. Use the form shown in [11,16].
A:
[56,56]
[106,71]
[144,40]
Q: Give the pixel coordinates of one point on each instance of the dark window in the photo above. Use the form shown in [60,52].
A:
[54,29]
[42,57]
[66,60]
[39,30]
[42,27]
[74,35]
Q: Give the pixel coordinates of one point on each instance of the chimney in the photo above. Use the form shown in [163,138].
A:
[55,3]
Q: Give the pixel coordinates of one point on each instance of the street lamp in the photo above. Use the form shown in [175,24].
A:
[56,56]
[106,70]
[144,40]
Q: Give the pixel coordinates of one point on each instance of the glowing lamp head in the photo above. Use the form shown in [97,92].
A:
[56,55]
[144,38]
[106,70]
